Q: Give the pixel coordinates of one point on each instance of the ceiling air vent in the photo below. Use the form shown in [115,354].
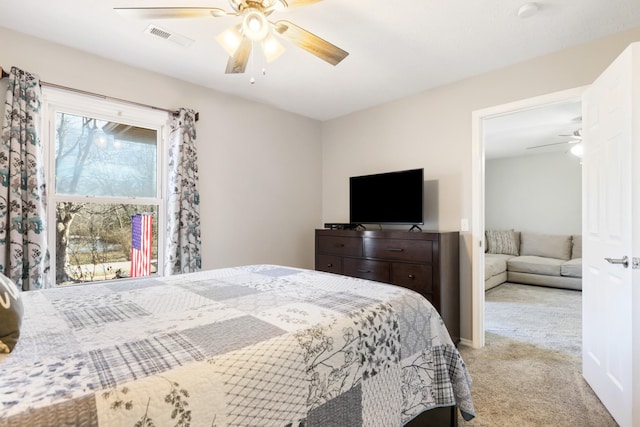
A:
[168,35]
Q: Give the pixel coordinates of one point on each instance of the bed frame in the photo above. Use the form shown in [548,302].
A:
[437,417]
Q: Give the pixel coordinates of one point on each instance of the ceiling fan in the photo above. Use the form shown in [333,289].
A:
[254,27]
[576,136]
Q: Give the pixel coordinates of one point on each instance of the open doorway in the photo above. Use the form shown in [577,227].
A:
[482,123]
[532,169]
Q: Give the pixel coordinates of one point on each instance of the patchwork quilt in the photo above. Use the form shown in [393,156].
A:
[259,345]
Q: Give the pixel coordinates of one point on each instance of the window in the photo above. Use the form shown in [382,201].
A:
[105,166]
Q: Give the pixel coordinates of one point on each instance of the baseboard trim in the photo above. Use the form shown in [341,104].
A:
[466,342]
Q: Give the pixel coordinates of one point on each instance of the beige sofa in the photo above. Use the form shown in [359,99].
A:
[533,259]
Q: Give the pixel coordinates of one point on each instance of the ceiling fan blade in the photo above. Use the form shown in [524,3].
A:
[310,42]
[575,134]
[554,143]
[577,138]
[238,62]
[298,3]
[174,12]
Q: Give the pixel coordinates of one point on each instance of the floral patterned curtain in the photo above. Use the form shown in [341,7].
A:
[183,199]
[24,256]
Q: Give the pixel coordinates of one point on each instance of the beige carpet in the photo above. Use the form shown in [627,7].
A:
[529,373]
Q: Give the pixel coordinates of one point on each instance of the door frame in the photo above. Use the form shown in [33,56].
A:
[478,194]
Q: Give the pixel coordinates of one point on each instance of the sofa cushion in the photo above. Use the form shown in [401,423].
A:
[535,265]
[546,245]
[572,268]
[576,246]
[495,264]
[502,242]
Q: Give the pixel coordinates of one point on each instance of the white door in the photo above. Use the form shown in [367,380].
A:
[610,107]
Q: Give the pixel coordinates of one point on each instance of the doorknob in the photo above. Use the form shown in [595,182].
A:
[624,261]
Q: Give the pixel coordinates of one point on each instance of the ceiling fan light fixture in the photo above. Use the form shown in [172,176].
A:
[238,41]
[272,48]
[280,5]
[235,4]
[99,136]
[527,10]
[255,25]
[577,150]
[218,13]
[230,40]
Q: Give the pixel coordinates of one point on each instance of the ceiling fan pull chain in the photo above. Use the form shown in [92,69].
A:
[252,80]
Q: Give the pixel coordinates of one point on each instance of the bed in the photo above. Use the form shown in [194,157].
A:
[259,345]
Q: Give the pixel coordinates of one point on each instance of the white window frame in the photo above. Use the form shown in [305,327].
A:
[59,100]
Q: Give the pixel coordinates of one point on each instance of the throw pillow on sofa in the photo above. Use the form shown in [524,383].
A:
[10,314]
[502,242]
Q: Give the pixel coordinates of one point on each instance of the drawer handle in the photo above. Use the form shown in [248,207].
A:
[364,271]
[411,276]
[339,245]
[396,250]
[329,265]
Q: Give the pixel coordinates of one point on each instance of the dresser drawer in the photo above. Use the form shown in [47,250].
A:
[417,277]
[329,263]
[425,262]
[338,245]
[399,249]
[366,269]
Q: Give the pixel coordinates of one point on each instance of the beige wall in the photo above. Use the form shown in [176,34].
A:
[260,180]
[537,193]
[433,130]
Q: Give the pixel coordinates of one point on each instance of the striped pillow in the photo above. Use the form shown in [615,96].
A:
[502,242]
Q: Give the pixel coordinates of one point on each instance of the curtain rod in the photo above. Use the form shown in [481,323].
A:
[3,73]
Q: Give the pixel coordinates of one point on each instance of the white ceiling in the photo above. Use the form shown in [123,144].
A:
[397,48]
[538,130]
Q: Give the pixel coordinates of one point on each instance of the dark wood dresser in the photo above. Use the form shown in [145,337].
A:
[426,262]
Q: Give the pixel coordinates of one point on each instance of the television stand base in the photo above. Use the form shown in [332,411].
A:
[415,227]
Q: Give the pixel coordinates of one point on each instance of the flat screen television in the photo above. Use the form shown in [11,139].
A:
[387,198]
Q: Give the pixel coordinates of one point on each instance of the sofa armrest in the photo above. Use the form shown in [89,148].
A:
[572,268]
